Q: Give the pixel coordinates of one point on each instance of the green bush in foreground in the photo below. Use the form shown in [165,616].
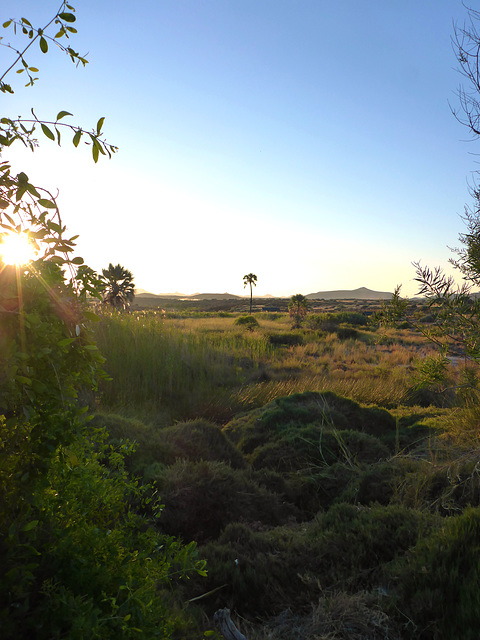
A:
[440,578]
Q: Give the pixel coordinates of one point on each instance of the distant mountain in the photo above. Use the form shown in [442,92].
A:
[141,293]
[213,296]
[356,294]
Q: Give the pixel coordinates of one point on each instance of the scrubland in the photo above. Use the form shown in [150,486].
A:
[329,474]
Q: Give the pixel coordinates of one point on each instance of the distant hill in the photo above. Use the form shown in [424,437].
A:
[141,293]
[214,296]
[356,294]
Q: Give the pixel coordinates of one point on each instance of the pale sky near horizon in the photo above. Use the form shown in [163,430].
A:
[309,142]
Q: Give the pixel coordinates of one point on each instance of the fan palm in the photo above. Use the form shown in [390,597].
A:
[118,288]
[298,309]
[250,279]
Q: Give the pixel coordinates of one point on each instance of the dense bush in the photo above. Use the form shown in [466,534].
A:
[285,339]
[201,498]
[348,548]
[249,322]
[439,580]
[257,427]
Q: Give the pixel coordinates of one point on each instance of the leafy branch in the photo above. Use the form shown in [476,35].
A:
[64,19]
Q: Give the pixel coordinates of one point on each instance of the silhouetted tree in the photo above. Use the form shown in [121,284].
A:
[250,279]
[119,288]
[298,309]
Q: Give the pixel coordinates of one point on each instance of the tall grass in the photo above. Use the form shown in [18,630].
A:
[181,367]
[158,367]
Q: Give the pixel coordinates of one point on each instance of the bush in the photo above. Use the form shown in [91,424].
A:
[200,440]
[348,548]
[201,498]
[248,322]
[346,333]
[439,580]
[259,426]
[286,339]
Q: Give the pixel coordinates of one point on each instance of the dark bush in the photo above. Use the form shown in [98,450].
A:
[201,498]
[259,426]
[348,548]
[439,580]
[200,440]
[286,339]
[346,333]
[249,322]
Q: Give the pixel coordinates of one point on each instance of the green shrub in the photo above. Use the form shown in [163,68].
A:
[348,548]
[317,446]
[439,580]
[249,322]
[200,440]
[285,339]
[259,426]
[346,333]
[201,498]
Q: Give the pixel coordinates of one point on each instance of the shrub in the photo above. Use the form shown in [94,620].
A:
[286,339]
[257,427]
[201,498]
[248,322]
[348,548]
[200,440]
[439,580]
[346,333]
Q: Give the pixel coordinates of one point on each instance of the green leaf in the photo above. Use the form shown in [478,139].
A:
[31,525]
[48,204]
[33,69]
[95,152]
[67,17]
[54,227]
[62,114]
[77,260]
[43,45]
[7,24]
[100,125]
[25,21]
[76,137]
[89,315]
[47,131]
[31,189]
[65,342]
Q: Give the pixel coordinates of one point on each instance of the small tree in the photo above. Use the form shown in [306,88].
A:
[392,311]
[118,286]
[250,279]
[298,309]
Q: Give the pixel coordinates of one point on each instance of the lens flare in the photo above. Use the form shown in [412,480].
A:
[16,249]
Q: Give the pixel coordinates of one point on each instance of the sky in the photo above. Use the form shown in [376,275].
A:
[309,142]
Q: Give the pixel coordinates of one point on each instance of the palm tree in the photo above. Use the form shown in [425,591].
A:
[118,286]
[298,309]
[250,279]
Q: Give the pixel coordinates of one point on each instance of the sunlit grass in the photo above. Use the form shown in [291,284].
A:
[188,366]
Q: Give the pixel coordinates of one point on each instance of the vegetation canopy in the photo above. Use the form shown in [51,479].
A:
[82,553]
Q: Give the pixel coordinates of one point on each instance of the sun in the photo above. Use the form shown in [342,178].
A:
[16,248]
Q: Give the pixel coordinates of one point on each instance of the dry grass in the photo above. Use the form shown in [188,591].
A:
[338,617]
[193,366]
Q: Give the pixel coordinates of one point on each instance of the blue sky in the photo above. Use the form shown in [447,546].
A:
[309,142]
